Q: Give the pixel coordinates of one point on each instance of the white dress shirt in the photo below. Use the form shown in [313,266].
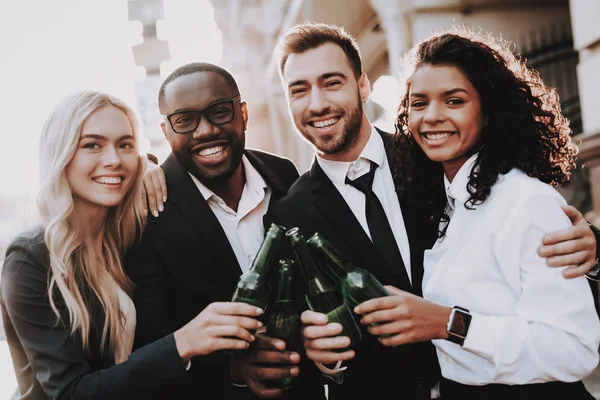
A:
[529,324]
[383,186]
[244,229]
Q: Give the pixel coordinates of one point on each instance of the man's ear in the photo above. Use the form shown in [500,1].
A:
[245,115]
[163,129]
[364,88]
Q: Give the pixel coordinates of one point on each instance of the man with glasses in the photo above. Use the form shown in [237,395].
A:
[210,227]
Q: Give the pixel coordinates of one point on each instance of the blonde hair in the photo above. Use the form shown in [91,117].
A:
[77,270]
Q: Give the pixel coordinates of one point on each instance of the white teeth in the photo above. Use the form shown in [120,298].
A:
[436,136]
[211,151]
[326,123]
[109,179]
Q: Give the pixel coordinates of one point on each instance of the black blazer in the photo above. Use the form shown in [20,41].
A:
[314,205]
[184,262]
[50,362]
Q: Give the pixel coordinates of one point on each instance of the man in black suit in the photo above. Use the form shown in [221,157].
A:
[210,228]
[325,86]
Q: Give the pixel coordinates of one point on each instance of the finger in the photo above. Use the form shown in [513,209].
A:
[395,340]
[381,316]
[151,198]
[144,199]
[575,271]
[309,317]
[158,194]
[573,232]
[378,304]
[261,391]
[163,183]
[573,213]
[269,372]
[226,343]
[249,323]
[329,357]
[276,357]
[391,328]
[267,343]
[569,259]
[393,290]
[228,331]
[338,342]
[235,308]
[567,246]
[317,332]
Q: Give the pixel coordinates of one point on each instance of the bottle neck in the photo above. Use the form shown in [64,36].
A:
[341,265]
[307,261]
[267,252]
[284,288]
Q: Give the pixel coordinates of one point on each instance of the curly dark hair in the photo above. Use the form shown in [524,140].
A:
[525,128]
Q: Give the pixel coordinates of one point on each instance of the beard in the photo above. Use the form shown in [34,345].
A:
[336,142]
[223,172]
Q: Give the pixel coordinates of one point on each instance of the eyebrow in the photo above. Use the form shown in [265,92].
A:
[101,137]
[324,76]
[203,108]
[446,93]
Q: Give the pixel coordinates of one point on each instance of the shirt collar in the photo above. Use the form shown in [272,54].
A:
[254,181]
[337,171]
[457,190]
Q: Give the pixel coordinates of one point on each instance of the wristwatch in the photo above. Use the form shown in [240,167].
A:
[594,273]
[458,325]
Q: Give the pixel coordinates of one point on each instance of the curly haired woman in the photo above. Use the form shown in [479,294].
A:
[482,144]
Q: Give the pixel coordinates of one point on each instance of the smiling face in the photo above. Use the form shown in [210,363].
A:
[444,115]
[105,163]
[212,153]
[325,101]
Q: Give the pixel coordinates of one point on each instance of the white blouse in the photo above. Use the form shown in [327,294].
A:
[529,323]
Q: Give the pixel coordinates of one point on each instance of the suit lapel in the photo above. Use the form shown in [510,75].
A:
[410,223]
[278,188]
[187,198]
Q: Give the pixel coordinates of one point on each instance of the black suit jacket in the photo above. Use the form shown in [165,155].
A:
[184,262]
[315,205]
[50,362]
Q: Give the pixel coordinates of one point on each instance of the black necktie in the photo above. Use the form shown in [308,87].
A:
[379,226]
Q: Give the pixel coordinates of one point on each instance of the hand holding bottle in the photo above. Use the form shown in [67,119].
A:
[219,326]
[404,318]
[322,340]
[267,361]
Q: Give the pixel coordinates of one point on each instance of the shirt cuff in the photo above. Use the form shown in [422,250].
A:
[480,339]
[335,374]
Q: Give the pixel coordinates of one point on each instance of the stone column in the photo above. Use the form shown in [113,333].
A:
[149,55]
[586,38]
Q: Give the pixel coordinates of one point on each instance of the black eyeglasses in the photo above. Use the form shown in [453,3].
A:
[217,113]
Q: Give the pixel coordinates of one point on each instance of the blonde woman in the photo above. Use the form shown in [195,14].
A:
[66,304]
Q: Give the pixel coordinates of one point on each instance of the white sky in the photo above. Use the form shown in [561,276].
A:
[50,48]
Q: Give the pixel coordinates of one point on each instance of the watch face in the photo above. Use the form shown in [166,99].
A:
[460,322]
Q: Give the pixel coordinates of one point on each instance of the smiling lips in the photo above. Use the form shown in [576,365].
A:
[211,152]
[108,180]
[437,135]
[324,124]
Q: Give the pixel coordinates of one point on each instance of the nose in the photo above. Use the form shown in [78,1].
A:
[433,113]
[318,102]
[111,157]
[205,128]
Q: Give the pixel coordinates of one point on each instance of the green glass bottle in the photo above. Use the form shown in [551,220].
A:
[357,284]
[322,293]
[253,285]
[283,320]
